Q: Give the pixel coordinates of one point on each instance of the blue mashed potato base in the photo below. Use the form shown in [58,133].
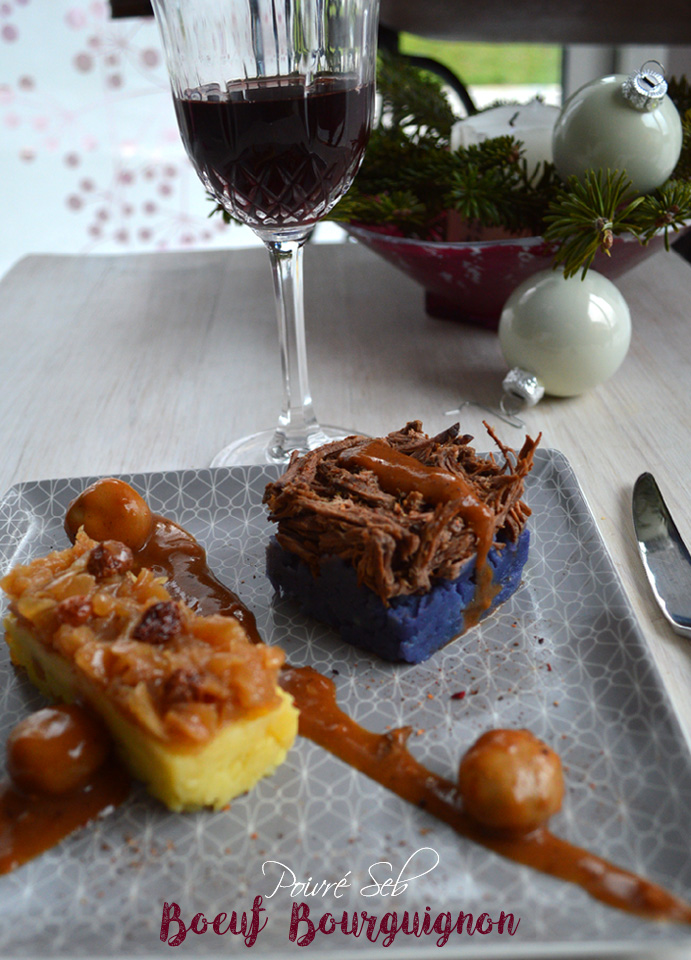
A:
[411,628]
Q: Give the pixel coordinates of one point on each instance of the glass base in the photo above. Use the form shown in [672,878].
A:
[266,447]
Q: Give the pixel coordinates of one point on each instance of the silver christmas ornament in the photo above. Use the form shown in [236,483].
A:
[620,123]
[561,336]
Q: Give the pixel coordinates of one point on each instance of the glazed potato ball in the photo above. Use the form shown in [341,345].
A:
[511,781]
[110,509]
[56,750]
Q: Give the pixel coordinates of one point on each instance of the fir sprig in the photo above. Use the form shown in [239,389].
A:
[586,215]
[399,208]
[667,209]
[412,100]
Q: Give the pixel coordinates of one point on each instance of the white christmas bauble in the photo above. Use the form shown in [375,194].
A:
[572,334]
[602,127]
[531,123]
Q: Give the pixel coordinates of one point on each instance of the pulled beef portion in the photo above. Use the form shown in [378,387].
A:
[397,543]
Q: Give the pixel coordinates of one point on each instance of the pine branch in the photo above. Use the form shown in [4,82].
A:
[483,180]
[587,214]
[401,209]
[412,100]
[667,209]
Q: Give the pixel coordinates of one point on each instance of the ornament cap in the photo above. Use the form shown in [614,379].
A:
[521,389]
[645,89]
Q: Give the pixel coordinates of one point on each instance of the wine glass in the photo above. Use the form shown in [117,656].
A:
[274,100]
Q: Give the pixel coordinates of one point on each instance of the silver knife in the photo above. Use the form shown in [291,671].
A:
[665,556]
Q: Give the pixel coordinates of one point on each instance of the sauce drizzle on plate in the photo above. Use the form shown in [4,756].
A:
[385,758]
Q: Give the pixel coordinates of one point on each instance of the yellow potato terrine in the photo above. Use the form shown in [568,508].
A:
[193,706]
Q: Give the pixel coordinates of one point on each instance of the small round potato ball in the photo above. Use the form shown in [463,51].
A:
[56,750]
[110,509]
[510,781]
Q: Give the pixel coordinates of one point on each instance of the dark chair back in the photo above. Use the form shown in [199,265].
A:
[616,22]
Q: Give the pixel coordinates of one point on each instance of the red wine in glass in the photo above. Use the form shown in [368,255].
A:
[277,152]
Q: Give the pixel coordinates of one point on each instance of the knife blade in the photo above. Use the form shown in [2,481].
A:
[665,556]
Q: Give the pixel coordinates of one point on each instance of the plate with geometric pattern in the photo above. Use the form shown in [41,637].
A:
[563,657]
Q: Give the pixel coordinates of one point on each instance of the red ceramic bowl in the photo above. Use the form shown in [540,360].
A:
[472,281]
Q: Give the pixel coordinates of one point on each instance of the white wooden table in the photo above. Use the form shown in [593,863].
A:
[154,362]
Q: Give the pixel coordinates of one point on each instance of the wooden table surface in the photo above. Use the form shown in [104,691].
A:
[155,362]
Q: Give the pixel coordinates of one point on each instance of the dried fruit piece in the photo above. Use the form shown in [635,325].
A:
[161,623]
[74,610]
[109,558]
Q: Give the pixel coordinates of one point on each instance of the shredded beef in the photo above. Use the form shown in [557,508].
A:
[397,543]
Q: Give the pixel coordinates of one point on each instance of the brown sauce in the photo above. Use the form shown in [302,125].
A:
[63,777]
[384,758]
[400,473]
[33,822]
[30,825]
[175,554]
[485,592]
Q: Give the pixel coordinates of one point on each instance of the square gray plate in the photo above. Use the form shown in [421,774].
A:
[564,657]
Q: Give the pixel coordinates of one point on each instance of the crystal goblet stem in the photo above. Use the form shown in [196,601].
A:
[297,424]
[298,427]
